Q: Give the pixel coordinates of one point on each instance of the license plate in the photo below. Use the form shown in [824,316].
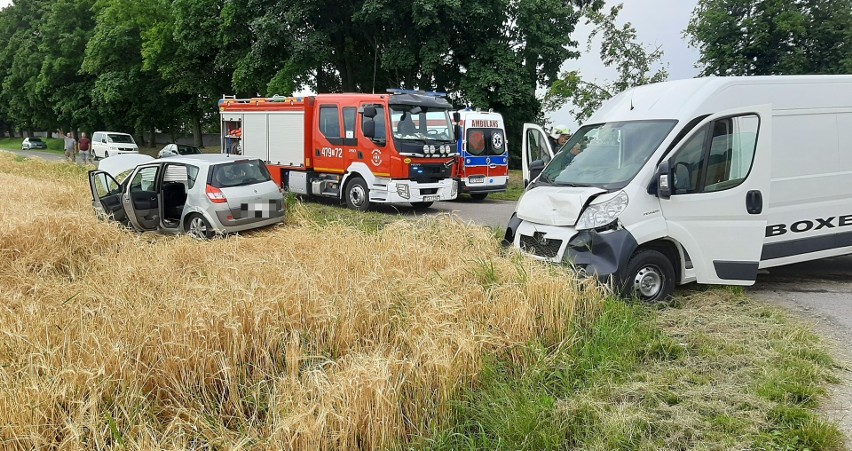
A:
[431,198]
[477,179]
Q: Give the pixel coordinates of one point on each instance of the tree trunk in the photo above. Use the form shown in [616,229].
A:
[196,132]
[30,132]
[153,136]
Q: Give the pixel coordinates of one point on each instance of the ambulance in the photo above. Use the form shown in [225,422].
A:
[483,162]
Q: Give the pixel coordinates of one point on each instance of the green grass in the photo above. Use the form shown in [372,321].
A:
[717,371]
[516,188]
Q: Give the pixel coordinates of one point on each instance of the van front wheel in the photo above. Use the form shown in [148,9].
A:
[649,277]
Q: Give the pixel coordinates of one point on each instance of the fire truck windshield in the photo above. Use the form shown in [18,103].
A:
[416,123]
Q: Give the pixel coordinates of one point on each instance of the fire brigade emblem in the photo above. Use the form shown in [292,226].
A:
[497,140]
[377,157]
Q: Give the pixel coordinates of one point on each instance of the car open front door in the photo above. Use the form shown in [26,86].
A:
[106,196]
[535,152]
[718,177]
[141,198]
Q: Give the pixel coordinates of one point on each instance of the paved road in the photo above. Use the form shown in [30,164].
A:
[51,156]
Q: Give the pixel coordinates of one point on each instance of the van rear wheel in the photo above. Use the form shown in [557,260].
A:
[648,277]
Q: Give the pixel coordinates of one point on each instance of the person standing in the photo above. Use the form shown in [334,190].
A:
[85,146]
[70,148]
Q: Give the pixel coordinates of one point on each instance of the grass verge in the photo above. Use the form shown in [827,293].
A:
[715,372]
[516,188]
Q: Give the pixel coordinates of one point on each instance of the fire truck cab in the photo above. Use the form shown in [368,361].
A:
[392,148]
[483,165]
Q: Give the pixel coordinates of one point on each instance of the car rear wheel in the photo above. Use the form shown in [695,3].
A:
[106,154]
[198,227]
[357,195]
[478,196]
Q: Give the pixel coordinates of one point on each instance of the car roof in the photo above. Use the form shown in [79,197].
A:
[113,133]
[205,158]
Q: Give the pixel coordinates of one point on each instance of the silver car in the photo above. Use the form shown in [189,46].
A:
[198,194]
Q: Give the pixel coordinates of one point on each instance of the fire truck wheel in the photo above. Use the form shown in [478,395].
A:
[421,205]
[357,195]
[478,196]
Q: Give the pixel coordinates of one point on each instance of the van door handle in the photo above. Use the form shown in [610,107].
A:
[754,202]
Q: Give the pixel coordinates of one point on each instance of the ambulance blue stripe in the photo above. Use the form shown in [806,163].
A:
[499,160]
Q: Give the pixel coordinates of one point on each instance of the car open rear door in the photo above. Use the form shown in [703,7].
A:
[106,196]
[535,152]
[719,180]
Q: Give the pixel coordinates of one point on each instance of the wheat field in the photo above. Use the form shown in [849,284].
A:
[302,336]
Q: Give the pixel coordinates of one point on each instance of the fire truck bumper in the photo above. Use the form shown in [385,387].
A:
[408,191]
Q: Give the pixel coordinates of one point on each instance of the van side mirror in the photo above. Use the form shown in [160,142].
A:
[103,140]
[369,127]
[456,117]
[457,132]
[370,111]
[664,180]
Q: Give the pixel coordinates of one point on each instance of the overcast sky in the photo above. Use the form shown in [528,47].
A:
[657,23]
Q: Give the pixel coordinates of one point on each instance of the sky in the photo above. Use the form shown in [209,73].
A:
[657,23]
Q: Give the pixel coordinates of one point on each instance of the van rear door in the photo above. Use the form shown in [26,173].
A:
[719,181]
[535,152]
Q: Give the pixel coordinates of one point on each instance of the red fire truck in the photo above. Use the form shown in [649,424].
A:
[483,162]
[397,147]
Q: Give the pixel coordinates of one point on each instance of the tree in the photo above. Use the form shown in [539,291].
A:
[765,37]
[633,62]
[127,96]
[60,83]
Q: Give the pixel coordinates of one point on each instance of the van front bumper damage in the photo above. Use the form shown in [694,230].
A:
[601,254]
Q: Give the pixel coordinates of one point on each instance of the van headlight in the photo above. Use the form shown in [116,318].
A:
[599,215]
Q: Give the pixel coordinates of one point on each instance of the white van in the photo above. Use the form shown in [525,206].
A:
[105,144]
[703,180]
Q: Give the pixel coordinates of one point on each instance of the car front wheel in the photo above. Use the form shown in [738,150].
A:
[198,227]
[648,277]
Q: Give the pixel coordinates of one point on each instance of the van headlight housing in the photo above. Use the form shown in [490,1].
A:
[602,214]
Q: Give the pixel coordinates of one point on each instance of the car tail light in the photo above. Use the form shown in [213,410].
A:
[215,195]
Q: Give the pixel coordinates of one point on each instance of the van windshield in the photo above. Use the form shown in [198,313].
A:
[606,155]
[123,139]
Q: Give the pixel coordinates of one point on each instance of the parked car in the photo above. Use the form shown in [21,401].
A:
[173,150]
[105,144]
[202,195]
[33,143]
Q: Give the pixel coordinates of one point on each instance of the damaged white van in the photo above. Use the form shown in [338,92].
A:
[703,180]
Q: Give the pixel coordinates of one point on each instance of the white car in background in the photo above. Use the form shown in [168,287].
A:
[106,144]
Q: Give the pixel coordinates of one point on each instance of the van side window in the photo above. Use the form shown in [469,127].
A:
[731,152]
[329,122]
[381,128]
[717,157]
[537,146]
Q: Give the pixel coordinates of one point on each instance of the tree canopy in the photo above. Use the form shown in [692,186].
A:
[772,37]
[137,65]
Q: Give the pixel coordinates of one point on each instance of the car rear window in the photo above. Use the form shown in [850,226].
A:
[239,173]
